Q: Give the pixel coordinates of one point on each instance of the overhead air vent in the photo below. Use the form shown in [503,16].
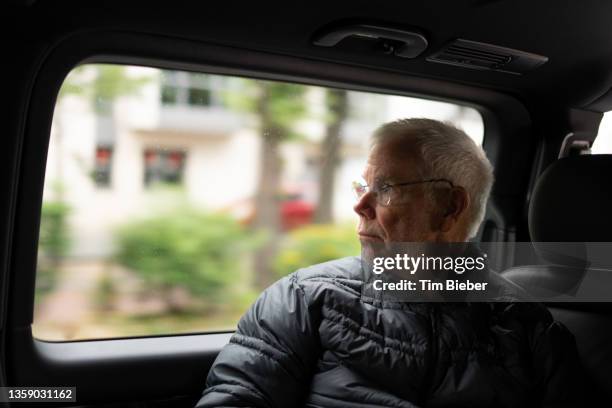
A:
[476,55]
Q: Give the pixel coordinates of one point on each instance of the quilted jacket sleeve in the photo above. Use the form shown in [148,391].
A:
[270,359]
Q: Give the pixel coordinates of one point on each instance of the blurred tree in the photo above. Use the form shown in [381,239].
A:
[336,101]
[278,107]
[101,85]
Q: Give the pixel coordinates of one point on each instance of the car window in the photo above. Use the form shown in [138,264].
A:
[603,141]
[172,198]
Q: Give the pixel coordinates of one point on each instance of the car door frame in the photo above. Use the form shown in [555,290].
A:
[162,367]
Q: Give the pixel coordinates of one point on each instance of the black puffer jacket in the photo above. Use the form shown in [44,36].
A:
[310,340]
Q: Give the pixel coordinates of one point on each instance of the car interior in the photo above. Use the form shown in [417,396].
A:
[539,74]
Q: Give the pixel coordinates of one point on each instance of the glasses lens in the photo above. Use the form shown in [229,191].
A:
[384,197]
[359,188]
[387,195]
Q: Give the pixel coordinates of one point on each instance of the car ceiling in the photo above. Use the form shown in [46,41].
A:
[573,35]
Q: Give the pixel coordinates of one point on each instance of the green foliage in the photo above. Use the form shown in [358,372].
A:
[314,244]
[107,83]
[53,243]
[73,84]
[53,239]
[240,94]
[110,83]
[189,249]
[285,103]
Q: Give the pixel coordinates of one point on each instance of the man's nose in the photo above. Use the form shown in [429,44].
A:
[365,206]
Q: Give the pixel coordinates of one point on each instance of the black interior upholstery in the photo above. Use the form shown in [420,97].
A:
[571,203]
[593,333]
[575,36]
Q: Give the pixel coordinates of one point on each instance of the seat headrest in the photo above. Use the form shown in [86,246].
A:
[572,201]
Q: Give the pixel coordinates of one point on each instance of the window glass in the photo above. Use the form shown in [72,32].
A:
[603,141]
[102,166]
[163,166]
[172,198]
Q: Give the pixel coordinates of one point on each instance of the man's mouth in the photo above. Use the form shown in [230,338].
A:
[369,237]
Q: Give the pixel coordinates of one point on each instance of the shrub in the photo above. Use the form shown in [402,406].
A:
[315,244]
[53,239]
[53,244]
[192,250]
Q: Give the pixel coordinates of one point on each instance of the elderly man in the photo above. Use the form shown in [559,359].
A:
[312,340]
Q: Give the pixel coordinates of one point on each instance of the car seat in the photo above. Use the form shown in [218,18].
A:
[572,203]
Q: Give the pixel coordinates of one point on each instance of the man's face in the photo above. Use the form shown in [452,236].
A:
[391,162]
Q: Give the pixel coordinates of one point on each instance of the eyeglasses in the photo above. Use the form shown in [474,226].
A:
[390,194]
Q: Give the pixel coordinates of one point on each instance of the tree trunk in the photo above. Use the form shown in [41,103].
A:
[267,207]
[337,106]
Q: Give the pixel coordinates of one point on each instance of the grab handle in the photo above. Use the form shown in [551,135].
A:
[412,44]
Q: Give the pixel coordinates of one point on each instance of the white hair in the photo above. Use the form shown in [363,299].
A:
[447,153]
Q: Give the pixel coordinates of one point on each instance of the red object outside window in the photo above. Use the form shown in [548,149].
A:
[295,213]
[102,155]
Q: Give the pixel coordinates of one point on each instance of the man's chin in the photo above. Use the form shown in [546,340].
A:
[370,246]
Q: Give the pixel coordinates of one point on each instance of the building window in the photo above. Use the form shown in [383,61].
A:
[103,166]
[199,97]
[163,166]
[169,94]
[191,89]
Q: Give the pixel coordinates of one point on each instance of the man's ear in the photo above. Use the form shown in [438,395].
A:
[457,205]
